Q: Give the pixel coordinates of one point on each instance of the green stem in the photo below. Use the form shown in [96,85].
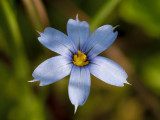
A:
[33,14]
[19,57]
[4,45]
[103,13]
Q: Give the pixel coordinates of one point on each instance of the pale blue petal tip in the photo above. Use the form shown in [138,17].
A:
[75,109]
[116,26]
[39,32]
[33,80]
[125,83]
[77,17]
[128,83]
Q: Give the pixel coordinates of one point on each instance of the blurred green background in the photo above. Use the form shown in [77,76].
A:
[137,50]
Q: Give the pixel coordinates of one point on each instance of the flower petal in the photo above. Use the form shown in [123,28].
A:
[56,41]
[52,70]
[108,71]
[78,32]
[79,85]
[100,40]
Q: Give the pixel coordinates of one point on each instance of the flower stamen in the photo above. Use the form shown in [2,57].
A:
[80,59]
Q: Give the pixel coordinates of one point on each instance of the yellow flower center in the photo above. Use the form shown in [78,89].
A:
[80,59]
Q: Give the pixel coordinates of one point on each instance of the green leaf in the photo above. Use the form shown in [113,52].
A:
[143,13]
[105,11]
[151,73]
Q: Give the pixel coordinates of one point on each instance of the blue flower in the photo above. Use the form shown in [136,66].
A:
[78,57]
